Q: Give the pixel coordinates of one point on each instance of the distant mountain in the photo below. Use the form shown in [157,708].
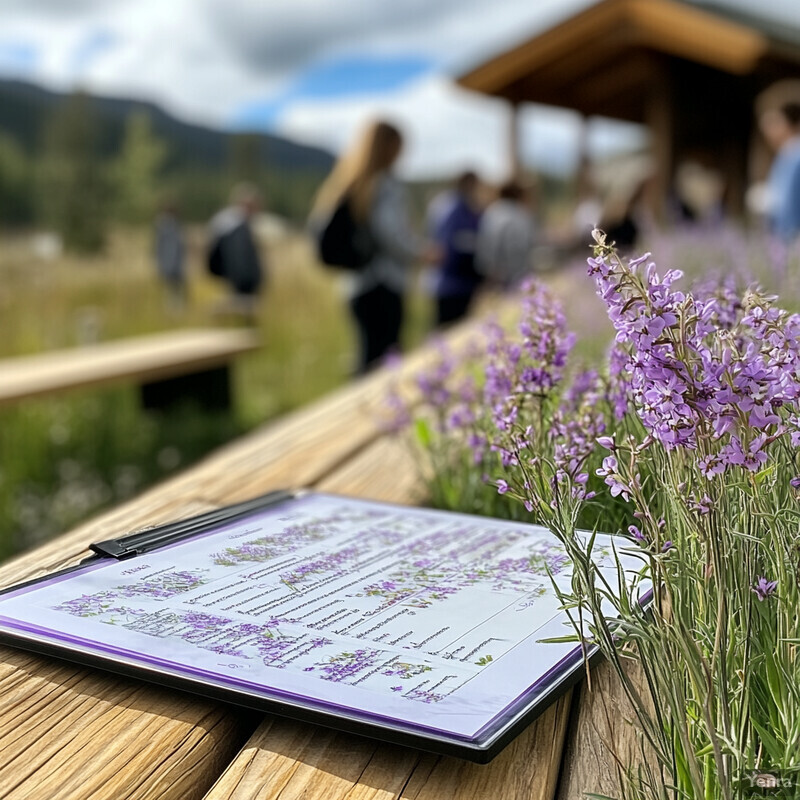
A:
[25,108]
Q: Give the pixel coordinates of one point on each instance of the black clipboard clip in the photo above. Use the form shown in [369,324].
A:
[144,541]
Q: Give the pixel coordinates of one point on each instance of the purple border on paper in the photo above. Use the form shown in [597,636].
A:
[551,677]
[195,672]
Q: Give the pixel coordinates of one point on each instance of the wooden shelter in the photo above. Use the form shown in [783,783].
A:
[689,70]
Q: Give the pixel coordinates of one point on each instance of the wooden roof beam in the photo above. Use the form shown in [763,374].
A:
[664,26]
[612,88]
[559,42]
[687,32]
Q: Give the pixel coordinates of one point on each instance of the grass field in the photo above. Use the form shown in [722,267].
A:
[63,458]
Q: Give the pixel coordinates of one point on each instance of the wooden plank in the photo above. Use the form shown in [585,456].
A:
[387,471]
[72,733]
[290,760]
[526,770]
[603,734]
[145,358]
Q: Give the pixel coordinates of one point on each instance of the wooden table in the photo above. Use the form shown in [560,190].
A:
[166,366]
[70,733]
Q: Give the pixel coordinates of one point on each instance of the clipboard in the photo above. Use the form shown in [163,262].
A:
[413,626]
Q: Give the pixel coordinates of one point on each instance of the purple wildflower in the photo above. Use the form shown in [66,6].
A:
[637,535]
[764,588]
[612,478]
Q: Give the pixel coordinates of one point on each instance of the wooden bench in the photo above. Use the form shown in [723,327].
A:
[71,733]
[168,367]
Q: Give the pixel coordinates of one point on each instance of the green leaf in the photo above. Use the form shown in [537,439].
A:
[423,433]
[559,640]
[764,474]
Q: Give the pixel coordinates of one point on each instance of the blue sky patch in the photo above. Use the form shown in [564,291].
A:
[94,44]
[16,57]
[334,79]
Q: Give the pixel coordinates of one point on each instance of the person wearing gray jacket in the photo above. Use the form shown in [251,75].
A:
[506,237]
[170,253]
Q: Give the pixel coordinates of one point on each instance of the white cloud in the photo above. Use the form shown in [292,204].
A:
[428,111]
[205,59]
[449,129]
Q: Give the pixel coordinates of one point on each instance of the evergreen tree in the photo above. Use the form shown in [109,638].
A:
[244,158]
[72,181]
[136,171]
[16,192]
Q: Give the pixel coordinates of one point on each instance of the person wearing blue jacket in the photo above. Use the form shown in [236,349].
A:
[781,129]
[456,233]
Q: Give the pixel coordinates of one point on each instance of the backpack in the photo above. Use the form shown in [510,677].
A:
[214,260]
[343,242]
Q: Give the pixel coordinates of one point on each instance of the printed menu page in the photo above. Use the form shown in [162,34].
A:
[421,617]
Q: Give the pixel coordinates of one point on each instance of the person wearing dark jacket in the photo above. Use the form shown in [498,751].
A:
[456,234]
[232,237]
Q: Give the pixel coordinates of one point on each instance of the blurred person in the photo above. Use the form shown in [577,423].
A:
[364,174]
[588,206]
[781,128]
[456,232]
[699,193]
[624,217]
[233,252]
[506,237]
[170,253]
[618,221]
[438,207]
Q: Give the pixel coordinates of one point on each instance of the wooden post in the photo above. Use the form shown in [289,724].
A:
[514,154]
[659,118]
[582,178]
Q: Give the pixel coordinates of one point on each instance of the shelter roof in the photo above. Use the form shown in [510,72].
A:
[605,59]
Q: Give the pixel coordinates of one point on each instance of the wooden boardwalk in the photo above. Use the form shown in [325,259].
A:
[69,733]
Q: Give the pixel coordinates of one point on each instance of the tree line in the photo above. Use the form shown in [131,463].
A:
[69,186]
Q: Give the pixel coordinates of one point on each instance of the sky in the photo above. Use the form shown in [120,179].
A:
[314,70]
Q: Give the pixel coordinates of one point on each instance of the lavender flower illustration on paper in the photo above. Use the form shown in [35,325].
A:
[340,668]
[405,670]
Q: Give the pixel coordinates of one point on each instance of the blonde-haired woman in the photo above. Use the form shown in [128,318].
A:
[378,201]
